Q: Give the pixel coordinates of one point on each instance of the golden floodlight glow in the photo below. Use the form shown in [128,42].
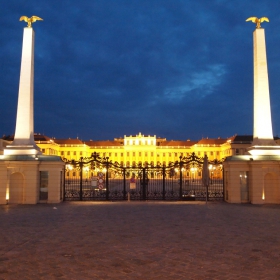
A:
[69,166]
[7,194]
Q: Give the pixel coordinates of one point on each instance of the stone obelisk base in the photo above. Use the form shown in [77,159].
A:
[26,179]
[264,150]
[252,179]
[22,150]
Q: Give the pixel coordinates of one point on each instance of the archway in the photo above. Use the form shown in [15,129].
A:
[16,188]
[271,188]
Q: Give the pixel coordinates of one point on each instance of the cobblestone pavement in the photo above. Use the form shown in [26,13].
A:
[140,240]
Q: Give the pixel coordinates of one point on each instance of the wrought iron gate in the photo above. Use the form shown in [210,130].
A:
[97,178]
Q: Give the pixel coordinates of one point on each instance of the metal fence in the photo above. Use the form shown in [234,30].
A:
[97,178]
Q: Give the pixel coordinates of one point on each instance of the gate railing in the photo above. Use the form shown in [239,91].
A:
[96,178]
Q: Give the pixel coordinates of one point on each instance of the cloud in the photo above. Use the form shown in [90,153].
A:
[201,84]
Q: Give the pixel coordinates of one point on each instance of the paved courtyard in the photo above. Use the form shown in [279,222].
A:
[140,240]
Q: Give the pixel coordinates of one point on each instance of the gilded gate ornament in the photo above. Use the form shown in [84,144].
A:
[257,20]
[30,20]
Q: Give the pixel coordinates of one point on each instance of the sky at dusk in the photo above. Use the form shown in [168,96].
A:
[176,69]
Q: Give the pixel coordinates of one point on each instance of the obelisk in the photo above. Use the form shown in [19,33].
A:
[23,143]
[263,141]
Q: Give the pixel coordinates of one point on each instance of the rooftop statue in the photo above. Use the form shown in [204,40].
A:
[257,20]
[29,20]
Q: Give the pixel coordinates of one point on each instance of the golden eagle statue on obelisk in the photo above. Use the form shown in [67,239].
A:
[258,21]
[30,20]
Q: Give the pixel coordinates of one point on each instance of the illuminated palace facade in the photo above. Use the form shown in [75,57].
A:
[132,150]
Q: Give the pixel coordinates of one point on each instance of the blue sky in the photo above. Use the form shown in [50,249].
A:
[105,69]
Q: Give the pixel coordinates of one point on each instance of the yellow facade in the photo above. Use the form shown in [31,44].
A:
[132,150]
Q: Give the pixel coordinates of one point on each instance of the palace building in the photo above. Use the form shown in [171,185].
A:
[132,150]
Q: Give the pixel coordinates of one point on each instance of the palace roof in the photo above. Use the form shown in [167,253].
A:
[176,143]
[107,143]
[208,141]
